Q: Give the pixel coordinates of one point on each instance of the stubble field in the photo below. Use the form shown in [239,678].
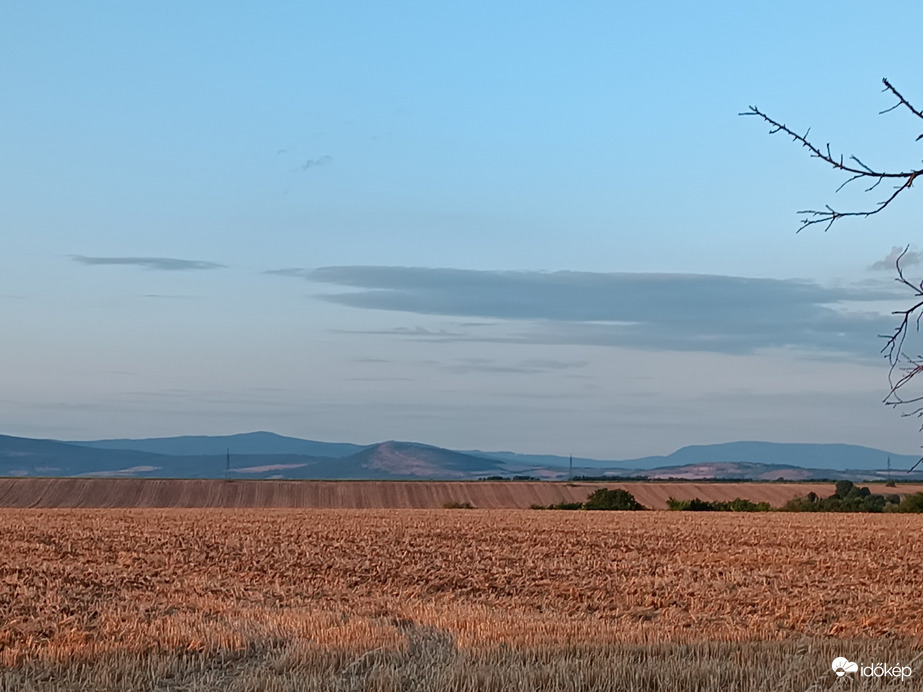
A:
[267,599]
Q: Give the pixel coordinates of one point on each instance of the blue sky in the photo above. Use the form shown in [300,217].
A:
[529,227]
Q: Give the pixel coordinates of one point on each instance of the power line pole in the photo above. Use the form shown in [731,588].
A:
[570,473]
[227,465]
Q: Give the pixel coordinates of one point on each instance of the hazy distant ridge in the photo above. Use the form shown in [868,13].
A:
[267,455]
[244,443]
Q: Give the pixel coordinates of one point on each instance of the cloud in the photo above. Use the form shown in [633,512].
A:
[535,366]
[314,163]
[685,312]
[158,263]
[291,271]
[464,366]
[418,333]
[889,263]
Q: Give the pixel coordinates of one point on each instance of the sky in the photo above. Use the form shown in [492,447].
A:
[537,227]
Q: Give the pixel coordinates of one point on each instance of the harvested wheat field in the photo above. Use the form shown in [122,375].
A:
[137,492]
[193,599]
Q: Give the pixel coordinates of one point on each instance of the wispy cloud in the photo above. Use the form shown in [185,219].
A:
[157,263]
[889,262]
[297,272]
[314,163]
[417,333]
[535,366]
[685,312]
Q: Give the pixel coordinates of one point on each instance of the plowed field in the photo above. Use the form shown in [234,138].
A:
[112,492]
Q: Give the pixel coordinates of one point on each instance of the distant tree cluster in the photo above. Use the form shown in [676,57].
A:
[736,505]
[849,497]
[601,499]
[509,478]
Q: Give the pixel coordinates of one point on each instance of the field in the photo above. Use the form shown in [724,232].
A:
[339,599]
[126,492]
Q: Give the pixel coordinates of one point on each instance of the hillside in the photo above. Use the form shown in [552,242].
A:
[387,460]
[263,455]
[244,443]
[134,492]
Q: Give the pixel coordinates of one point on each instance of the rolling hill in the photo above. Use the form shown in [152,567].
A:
[264,455]
[244,443]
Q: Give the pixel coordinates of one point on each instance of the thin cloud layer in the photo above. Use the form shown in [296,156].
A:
[157,263]
[297,272]
[684,312]
[314,163]
[889,263]
[533,366]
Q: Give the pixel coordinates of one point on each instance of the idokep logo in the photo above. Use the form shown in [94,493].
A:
[843,666]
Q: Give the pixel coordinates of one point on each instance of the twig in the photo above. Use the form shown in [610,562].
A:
[853,166]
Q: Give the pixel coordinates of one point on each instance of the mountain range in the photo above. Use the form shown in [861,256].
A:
[267,455]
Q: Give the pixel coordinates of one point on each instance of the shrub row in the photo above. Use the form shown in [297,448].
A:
[601,499]
[847,497]
[736,505]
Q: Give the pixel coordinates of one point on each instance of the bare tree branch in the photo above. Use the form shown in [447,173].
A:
[857,169]
[901,101]
[904,368]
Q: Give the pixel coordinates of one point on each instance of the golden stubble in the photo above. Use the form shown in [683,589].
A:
[76,585]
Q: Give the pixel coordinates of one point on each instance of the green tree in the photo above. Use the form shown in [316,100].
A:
[843,488]
[911,503]
[617,499]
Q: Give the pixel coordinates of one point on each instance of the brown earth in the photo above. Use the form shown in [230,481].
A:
[132,492]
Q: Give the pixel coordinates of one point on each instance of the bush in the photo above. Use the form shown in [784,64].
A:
[560,505]
[740,505]
[617,499]
[457,505]
[736,505]
[847,497]
[603,498]
[843,488]
[807,503]
[697,505]
[911,503]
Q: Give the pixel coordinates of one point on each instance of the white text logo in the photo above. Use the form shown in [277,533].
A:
[843,666]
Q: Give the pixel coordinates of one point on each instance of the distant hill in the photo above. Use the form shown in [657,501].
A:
[544,460]
[387,460]
[243,443]
[267,455]
[730,470]
[834,457]
[22,456]
[424,461]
